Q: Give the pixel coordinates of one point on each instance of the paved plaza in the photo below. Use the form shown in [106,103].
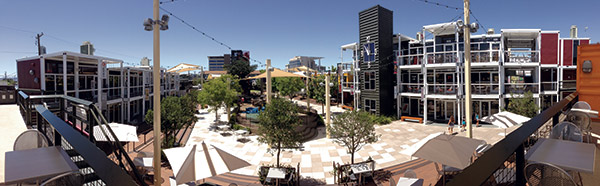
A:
[316,158]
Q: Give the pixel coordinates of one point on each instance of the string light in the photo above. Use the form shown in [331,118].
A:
[455,8]
[202,32]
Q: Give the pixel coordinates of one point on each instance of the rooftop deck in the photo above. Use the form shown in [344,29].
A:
[12,125]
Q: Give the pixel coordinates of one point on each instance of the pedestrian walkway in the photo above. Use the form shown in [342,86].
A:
[318,154]
[12,125]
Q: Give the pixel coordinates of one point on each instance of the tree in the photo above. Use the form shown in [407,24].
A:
[277,125]
[241,69]
[317,91]
[174,115]
[221,91]
[523,104]
[353,129]
[289,86]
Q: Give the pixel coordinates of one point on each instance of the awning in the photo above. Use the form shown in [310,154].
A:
[183,67]
[125,133]
[190,164]
[450,150]
[441,28]
[275,73]
[505,119]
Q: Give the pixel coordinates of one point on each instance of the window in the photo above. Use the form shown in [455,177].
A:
[369,80]
[370,106]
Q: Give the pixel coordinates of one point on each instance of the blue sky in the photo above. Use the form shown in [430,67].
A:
[272,29]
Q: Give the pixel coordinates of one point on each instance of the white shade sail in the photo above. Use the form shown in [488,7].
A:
[454,151]
[190,164]
[183,67]
[125,133]
[505,119]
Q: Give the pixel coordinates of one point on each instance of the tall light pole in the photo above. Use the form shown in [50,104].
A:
[153,25]
[268,80]
[467,29]
[327,104]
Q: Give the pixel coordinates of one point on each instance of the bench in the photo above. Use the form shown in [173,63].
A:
[346,107]
[402,118]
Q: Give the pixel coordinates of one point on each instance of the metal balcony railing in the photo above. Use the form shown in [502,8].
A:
[504,162]
[411,87]
[448,89]
[521,88]
[568,84]
[68,122]
[443,57]
[485,56]
[528,56]
[416,59]
[485,89]
[549,86]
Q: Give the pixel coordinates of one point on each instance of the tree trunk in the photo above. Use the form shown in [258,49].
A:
[216,114]
[228,112]
[352,157]
[278,152]
[322,109]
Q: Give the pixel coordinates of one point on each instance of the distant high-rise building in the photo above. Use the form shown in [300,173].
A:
[87,48]
[217,63]
[306,61]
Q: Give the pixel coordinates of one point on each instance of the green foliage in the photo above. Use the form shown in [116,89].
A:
[239,68]
[175,114]
[524,105]
[277,125]
[221,91]
[353,130]
[380,119]
[288,86]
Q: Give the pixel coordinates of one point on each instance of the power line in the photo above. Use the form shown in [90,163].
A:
[168,1]
[202,32]
[18,52]
[454,8]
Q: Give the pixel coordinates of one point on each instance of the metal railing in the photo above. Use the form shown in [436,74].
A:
[411,87]
[477,88]
[69,120]
[415,59]
[505,160]
[549,86]
[443,57]
[527,56]
[521,88]
[485,56]
[448,89]
[568,84]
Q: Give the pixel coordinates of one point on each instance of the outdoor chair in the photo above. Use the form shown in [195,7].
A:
[566,131]
[66,179]
[547,174]
[30,139]
[582,120]
[409,173]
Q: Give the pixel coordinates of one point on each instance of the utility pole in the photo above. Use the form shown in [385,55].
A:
[156,98]
[39,45]
[467,35]
[268,80]
[328,105]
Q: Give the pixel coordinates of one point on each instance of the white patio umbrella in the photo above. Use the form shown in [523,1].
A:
[190,164]
[505,119]
[125,133]
[454,151]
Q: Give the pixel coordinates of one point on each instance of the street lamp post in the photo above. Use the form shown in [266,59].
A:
[153,25]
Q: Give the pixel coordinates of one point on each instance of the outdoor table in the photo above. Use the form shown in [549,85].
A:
[223,127]
[36,164]
[240,132]
[360,169]
[276,173]
[568,155]
[409,182]
[145,162]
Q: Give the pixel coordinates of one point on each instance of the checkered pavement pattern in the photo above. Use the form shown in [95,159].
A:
[317,157]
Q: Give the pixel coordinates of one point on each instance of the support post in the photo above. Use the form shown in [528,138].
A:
[468,104]
[327,105]
[268,80]
[520,165]
[156,97]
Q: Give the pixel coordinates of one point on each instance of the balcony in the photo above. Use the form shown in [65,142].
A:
[568,84]
[485,56]
[549,86]
[521,88]
[346,66]
[448,89]
[416,59]
[504,163]
[411,88]
[442,57]
[527,56]
[485,89]
[348,86]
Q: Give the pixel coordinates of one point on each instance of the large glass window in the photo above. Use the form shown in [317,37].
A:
[370,106]
[369,80]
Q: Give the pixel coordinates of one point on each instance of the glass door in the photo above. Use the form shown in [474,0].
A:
[485,109]
[449,109]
